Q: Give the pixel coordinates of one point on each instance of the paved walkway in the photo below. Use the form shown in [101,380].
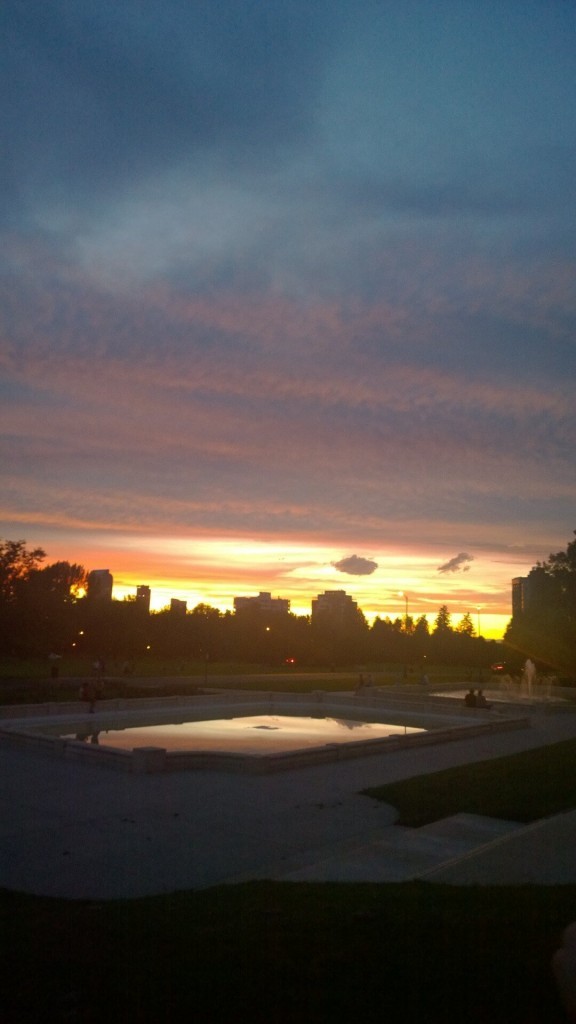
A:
[79,831]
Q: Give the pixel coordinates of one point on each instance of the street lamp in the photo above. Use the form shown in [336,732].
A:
[402,593]
[478,607]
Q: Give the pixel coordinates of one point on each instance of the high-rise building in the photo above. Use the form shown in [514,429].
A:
[538,590]
[518,596]
[143,595]
[100,582]
[334,608]
[264,602]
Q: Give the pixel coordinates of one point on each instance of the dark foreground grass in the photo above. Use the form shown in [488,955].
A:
[38,669]
[520,787]
[41,691]
[280,952]
[63,691]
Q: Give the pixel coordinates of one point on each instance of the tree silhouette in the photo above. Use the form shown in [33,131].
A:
[443,622]
[17,562]
[42,611]
[63,580]
[544,627]
[466,627]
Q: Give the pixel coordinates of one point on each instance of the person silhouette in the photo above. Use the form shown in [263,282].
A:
[481,701]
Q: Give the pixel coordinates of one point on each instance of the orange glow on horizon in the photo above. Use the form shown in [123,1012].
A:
[214,570]
[492,625]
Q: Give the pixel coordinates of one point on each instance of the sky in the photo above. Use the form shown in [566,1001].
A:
[289,295]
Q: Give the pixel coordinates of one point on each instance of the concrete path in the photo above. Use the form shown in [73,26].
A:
[79,831]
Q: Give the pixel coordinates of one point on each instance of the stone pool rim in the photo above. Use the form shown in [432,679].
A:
[464,723]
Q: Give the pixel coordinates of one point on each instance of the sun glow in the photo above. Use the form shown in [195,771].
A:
[214,570]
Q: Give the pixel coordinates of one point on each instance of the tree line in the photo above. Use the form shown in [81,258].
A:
[44,610]
[543,626]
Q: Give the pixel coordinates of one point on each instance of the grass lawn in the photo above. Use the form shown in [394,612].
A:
[149,667]
[521,787]
[28,682]
[77,666]
[281,953]
[35,691]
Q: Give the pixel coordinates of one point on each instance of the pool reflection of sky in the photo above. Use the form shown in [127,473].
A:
[250,734]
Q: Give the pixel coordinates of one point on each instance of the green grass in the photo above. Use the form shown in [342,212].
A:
[35,691]
[281,953]
[520,787]
[27,681]
[62,691]
[149,666]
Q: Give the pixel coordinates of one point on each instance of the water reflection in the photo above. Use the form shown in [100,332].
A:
[88,737]
[247,734]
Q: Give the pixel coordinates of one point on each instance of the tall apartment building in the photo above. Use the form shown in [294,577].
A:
[100,582]
[334,608]
[143,598]
[518,596]
[263,603]
[536,591]
[178,607]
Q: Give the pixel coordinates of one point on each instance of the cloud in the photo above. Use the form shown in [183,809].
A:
[110,92]
[459,563]
[354,565]
[287,294]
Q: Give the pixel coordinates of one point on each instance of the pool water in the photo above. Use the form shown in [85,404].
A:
[250,734]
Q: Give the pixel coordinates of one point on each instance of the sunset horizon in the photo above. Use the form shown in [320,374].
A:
[215,570]
[288,297]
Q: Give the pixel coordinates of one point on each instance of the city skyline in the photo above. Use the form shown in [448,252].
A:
[391,604]
[288,296]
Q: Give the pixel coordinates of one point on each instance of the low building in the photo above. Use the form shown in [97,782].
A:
[262,603]
[178,607]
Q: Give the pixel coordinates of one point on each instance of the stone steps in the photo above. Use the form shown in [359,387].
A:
[400,853]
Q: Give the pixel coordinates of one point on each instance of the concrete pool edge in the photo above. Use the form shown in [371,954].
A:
[157,759]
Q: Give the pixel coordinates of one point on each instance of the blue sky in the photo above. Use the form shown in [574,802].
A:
[290,282]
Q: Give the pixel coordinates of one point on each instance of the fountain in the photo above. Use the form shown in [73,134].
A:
[528,677]
[296,723]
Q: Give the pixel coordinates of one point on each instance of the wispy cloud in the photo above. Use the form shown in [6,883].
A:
[324,292]
[460,563]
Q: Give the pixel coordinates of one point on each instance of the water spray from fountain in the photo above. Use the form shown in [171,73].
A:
[528,676]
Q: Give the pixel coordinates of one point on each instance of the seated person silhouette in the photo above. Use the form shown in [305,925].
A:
[470,699]
[481,701]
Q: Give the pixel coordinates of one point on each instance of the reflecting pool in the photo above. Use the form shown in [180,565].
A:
[249,734]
